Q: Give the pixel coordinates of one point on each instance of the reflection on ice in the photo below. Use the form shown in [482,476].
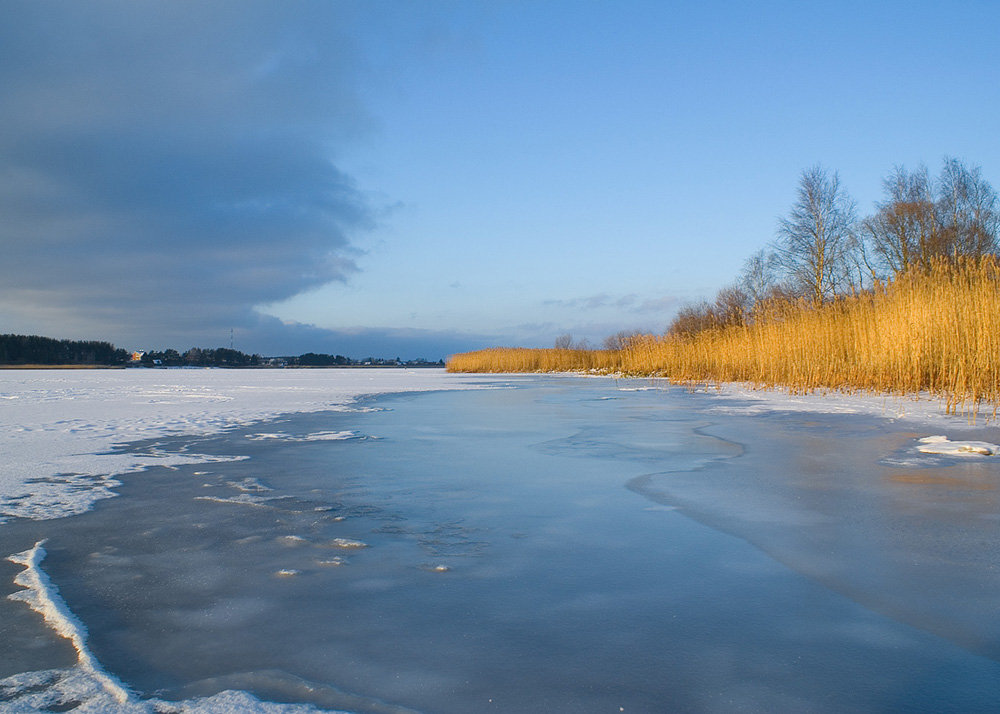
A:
[545,550]
[86,686]
[43,597]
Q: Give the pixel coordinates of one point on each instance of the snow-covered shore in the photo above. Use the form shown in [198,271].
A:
[58,427]
[919,409]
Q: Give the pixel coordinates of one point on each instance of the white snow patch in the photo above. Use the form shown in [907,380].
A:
[743,399]
[243,499]
[317,436]
[249,485]
[347,543]
[943,445]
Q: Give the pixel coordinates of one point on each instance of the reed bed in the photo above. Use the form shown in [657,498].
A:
[933,331]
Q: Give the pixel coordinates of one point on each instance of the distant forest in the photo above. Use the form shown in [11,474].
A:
[31,349]
[46,351]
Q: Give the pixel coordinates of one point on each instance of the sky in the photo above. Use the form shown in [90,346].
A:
[414,179]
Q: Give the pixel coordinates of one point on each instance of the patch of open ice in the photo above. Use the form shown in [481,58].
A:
[943,445]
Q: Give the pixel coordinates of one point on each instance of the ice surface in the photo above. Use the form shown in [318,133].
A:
[43,597]
[74,435]
[87,687]
[59,428]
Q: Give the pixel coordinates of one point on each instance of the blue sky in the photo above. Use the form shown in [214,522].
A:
[418,178]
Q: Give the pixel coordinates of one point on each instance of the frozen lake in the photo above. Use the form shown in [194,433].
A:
[549,545]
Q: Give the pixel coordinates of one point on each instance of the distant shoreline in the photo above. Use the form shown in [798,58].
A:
[60,366]
[429,365]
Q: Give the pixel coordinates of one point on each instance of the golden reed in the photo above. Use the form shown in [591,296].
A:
[932,331]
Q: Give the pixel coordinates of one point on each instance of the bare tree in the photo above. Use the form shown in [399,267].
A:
[904,230]
[564,342]
[815,240]
[692,319]
[758,276]
[967,210]
[732,306]
[920,220]
[620,340]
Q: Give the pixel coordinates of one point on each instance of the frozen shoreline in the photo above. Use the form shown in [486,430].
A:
[59,428]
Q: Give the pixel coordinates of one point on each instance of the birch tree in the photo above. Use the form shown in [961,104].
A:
[815,240]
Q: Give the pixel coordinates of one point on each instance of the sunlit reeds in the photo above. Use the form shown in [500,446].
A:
[930,331]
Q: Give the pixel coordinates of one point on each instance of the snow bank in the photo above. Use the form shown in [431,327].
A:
[58,428]
[943,445]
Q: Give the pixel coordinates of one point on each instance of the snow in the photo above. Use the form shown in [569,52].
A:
[59,428]
[920,409]
[943,445]
[316,436]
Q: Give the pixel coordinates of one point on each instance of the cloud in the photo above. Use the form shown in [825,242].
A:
[273,337]
[593,302]
[664,305]
[168,166]
[630,303]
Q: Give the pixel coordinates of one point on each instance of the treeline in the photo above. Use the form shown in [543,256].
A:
[222,357]
[197,357]
[311,359]
[824,250]
[31,349]
[45,351]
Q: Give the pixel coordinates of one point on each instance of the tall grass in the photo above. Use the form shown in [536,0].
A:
[935,331]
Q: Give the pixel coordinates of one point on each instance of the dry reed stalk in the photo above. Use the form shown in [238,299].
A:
[929,331]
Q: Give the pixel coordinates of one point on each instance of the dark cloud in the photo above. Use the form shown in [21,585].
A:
[167,166]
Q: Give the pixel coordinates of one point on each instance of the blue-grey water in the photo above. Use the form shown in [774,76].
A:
[560,546]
